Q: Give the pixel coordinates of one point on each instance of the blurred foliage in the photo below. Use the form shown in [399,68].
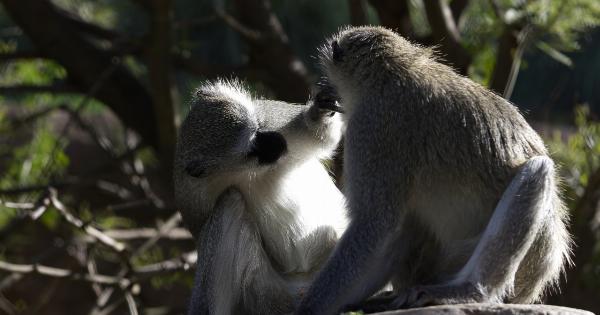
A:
[30,163]
[577,152]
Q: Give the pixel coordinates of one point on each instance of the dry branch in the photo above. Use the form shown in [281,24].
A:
[63,273]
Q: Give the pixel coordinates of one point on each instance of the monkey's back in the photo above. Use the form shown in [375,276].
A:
[453,144]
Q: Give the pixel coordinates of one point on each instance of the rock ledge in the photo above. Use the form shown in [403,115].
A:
[489,309]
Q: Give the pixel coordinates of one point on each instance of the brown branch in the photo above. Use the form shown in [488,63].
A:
[446,33]
[512,43]
[158,61]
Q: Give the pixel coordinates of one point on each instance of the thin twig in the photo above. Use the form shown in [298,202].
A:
[144,233]
[77,222]
[63,273]
[184,262]
[131,305]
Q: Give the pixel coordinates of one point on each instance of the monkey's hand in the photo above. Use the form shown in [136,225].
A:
[327,97]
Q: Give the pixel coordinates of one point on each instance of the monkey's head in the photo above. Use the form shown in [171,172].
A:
[359,58]
[227,132]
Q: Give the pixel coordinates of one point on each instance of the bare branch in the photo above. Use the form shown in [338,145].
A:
[131,305]
[144,233]
[92,231]
[63,273]
[169,225]
[17,205]
[445,32]
[184,262]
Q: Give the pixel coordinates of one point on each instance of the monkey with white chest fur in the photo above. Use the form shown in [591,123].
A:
[451,194]
[251,188]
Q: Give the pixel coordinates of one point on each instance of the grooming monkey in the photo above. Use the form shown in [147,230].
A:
[451,194]
[251,188]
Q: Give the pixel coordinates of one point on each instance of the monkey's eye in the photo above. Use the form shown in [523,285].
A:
[337,52]
[268,147]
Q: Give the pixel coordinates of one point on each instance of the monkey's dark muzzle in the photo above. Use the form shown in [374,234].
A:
[327,98]
[333,106]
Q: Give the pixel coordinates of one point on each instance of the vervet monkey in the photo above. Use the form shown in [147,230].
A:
[262,207]
[451,194]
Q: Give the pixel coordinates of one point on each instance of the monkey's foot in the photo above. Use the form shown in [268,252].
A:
[429,295]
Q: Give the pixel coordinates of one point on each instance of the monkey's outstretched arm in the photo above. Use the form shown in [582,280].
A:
[362,262]
[356,270]
[234,274]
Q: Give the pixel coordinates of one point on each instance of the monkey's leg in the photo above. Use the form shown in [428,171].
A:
[545,259]
[234,274]
[527,205]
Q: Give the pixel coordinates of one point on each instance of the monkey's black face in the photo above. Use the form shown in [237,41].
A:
[268,147]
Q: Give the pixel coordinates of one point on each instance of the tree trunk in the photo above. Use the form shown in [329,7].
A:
[159,71]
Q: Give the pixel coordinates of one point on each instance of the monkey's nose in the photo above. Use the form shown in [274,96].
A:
[337,53]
